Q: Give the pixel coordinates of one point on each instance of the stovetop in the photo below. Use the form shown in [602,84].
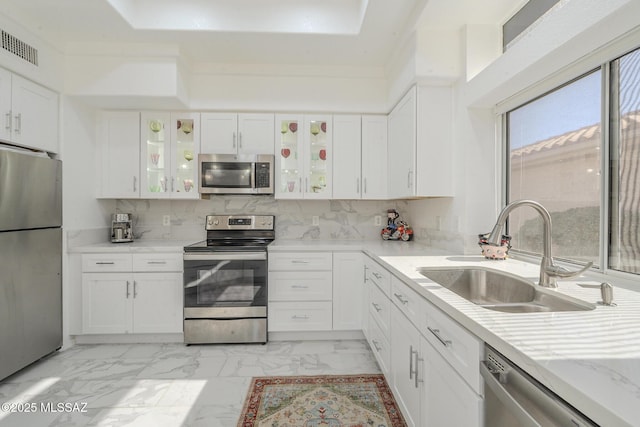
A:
[236,233]
[228,245]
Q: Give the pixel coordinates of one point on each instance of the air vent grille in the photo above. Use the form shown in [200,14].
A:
[19,48]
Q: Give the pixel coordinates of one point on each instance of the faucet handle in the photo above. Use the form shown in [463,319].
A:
[563,273]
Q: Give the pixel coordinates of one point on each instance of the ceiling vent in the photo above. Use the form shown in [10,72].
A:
[19,48]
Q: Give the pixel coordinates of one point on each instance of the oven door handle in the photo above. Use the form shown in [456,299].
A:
[226,256]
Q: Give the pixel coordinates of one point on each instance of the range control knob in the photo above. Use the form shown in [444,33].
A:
[216,222]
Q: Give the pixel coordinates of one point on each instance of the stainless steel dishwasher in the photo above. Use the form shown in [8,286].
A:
[514,398]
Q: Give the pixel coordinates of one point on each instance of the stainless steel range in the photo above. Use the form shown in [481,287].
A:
[225,281]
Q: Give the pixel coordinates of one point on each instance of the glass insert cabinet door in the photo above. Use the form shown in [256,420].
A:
[303,157]
[169,151]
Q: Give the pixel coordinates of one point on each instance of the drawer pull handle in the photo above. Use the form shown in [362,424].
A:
[376,306]
[299,287]
[375,345]
[105,263]
[416,378]
[299,261]
[411,361]
[296,317]
[156,262]
[377,276]
[401,298]
[436,332]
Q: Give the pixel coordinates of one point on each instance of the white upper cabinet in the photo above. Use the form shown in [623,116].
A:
[169,147]
[374,157]
[420,144]
[346,156]
[30,113]
[231,133]
[303,157]
[401,153]
[119,154]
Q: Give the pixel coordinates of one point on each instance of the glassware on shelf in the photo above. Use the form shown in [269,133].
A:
[155,158]
[315,128]
[188,155]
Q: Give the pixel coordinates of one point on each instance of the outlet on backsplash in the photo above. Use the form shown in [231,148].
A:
[166,220]
[377,220]
[315,220]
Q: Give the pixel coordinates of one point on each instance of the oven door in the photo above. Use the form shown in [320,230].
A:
[225,284]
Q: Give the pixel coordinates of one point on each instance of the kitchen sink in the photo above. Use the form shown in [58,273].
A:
[499,291]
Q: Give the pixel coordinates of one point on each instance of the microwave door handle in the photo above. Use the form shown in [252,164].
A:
[254,167]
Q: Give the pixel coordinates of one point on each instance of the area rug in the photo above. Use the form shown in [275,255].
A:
[320,401]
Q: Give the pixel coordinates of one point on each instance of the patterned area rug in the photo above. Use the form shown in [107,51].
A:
[320,401]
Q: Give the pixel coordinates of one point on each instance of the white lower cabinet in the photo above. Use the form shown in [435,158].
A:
[447,400]
[118,300]
[348,283]
[300,291]
[407,368]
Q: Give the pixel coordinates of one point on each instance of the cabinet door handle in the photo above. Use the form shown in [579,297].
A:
[377,275]
[128,293]
[306,185]
[299,287]
[300,185]
[417,374]
[105,263]
[365,186]
[409,179]
[357,185]
[376,306]
[297,317]
[135,182]
[401,299]
[7,120]
[365,273]
[375,345]
[173,180]
[410,362]
[239,139]
[135,289]
[436,332]
[18,123]
[234,140]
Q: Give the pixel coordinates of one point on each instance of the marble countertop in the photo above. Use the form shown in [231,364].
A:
[160,246]
[590,358]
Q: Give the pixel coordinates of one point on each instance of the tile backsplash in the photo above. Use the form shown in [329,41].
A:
[337,219]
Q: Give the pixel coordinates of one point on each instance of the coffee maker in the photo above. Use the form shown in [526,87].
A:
[121,228]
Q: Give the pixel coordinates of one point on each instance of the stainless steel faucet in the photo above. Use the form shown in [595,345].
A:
[549,272]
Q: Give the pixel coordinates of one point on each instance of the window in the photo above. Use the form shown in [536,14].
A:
[624,222]
[554,158]
[555,149]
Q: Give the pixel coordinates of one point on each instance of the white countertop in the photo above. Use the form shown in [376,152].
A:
[160,246]
[590,358]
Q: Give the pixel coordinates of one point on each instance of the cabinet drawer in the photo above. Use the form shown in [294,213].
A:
[407,300]
[157,262]
[380,309]
[380,276]
[300,285]
[294,261]
[461,349]
[379,345]
[300,316]
[93,263]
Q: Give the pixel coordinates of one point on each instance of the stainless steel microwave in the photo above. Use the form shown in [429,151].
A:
[235,174]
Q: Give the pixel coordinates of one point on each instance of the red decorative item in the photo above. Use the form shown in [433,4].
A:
[285,152]
[323,128]
[293,127]
[323,154]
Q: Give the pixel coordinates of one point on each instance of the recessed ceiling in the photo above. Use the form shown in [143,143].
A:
[362,33]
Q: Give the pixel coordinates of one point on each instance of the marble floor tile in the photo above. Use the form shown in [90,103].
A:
[165,384]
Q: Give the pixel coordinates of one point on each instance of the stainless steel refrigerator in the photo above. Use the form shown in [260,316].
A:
[30,258]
